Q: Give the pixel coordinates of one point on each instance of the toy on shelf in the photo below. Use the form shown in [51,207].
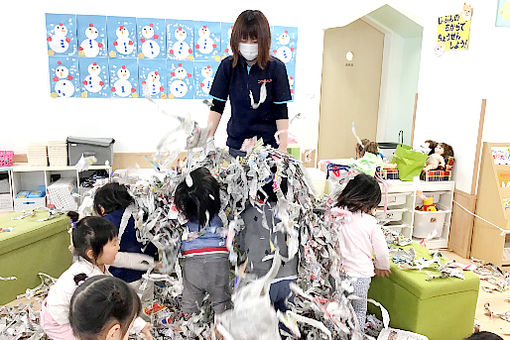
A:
[428,204]
[437,159]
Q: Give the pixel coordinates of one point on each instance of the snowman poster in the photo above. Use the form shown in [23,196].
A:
[291,75]
[91,36]
[94,78]
[64,77]
[226,33]
[207,41]
[204,76]
[123,78]
[61,34]
[151,34]
[180,39]
[153,77]
[180,79]
[121,34]
[284,43]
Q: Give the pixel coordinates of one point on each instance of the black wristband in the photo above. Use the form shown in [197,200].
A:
[218,106]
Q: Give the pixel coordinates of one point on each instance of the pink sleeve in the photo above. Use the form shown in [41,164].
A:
[380,249]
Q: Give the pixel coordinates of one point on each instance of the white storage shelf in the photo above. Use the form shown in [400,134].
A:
[402,202]
[25,177]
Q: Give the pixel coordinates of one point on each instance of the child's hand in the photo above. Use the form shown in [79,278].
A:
[146,331]
[382,272]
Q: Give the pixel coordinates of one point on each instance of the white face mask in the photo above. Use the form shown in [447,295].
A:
[249,51]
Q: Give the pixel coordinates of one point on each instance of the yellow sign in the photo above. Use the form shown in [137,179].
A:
[453,32]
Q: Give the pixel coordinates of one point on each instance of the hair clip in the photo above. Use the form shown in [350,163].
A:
[73,224]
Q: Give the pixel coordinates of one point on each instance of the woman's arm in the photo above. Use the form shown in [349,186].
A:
[283,124]
[213,122]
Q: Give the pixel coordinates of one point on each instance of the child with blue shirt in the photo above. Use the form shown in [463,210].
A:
[205,256]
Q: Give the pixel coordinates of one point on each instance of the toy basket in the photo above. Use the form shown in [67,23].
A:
[6,158]
[387,173]
[439,174]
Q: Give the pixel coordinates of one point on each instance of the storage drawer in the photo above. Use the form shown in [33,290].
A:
[391,215]
[21,204]
[394,199]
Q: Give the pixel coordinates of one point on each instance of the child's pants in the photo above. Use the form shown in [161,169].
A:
[361,285]
[206,274]
[52,328]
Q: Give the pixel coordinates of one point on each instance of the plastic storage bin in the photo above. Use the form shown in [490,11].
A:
[394,199]
[429,223]
[5,202]
[391,215]
[101,148]
[6,158]
[21,204]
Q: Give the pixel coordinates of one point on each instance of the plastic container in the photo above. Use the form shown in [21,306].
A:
[5,202]
[6,158]
[21,204]
[391,215]
[394,199]
[101,148]
[429,223]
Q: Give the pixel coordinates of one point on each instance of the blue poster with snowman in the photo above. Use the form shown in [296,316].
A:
[91,36]
[153,77]
[204,76]
[179,39]
[123,78]
[180,79]
[284,43]
[207,41]
[151,38]
[291,74]
[64,77]
[121,33]
[61,34]
[94,78]
[226,33]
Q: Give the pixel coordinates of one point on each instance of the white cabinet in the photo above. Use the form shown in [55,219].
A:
[6,202]
[30,178]
[402,216]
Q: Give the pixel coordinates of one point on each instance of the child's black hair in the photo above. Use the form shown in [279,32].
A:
[202,196]
[362,193]
[112,196]
[484,336]
[99,303]
[92,232]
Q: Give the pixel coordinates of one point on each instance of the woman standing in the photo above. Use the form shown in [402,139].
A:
[256,84]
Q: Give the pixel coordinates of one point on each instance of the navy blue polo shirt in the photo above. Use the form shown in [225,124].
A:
[235,83]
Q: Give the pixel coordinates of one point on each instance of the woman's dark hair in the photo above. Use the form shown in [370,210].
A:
[484,336]
[202,195]
[92,232]
[251,24]
[112,196]
[362,193]
[99,303]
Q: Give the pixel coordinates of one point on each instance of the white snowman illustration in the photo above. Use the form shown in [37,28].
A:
[64,86]
[93,82]
[123,44]
[90,47]
[284,53]
[153,83]
[150,47]
[178,87]
[228,49]
[58,41]
[122,86]
[180,49]
[180,73]
[207,73]
[205,43]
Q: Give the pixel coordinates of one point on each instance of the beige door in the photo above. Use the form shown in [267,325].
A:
[350,89]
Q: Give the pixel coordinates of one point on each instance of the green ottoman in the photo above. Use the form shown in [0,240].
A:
[439,309]
[32,247]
